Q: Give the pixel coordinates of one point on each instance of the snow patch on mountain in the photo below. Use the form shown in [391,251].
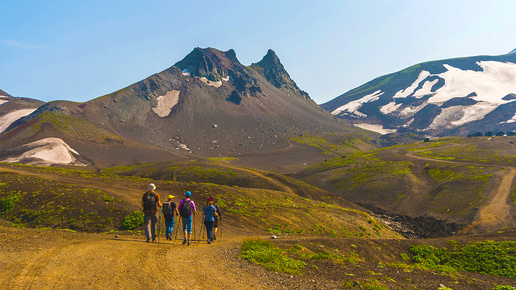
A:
[7,119]
[488,87]
[45,152]
[513,51]
[211,83]
[389,108]
[426,89]
[512,120]
[408,91]
[166,103]
[375,128]
[3,99]
[354,106]
[497,80]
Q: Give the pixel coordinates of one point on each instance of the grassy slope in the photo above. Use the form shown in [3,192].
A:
[453,180]
[92,199]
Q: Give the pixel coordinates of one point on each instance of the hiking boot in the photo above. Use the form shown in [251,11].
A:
[168,237]
[154,241]
[188,243]
[148,240]
[184,242]
[209,242]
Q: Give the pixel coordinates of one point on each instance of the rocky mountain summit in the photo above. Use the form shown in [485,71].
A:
[207,104]
[438,98]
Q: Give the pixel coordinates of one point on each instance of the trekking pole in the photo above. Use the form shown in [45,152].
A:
[220,228]
[202,232]
[194,227]
[177,230]
[159,223]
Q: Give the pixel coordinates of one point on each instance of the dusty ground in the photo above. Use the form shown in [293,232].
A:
[43,259]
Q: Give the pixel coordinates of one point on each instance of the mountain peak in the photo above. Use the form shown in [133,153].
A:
[275,73]
[513,51]
[209,62]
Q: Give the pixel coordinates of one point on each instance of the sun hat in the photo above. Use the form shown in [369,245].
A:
[152,186]
[188,194]
[170,197]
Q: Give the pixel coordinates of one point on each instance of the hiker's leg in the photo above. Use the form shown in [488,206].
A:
[215,228]
[185,227]
[171,225]
[209,229]
[189,227]
[154,223]
[147,220]
[167,227]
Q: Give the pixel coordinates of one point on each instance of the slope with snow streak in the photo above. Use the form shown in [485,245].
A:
[473,94]
[45,152]
[9,118]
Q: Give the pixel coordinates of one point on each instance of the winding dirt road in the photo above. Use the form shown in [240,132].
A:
[496,214]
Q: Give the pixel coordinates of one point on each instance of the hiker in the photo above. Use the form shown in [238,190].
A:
[169,209]
[209,212]
[218,219]
[150,203]
[187,212]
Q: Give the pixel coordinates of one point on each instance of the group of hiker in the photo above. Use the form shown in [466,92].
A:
[152,209]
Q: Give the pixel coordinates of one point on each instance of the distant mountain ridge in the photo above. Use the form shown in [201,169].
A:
[207,104]
[438,98]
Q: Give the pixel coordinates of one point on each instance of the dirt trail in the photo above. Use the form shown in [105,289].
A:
[497,213]
[62,260]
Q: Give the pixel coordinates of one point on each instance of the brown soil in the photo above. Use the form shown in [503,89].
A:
[43,259]
[496,214]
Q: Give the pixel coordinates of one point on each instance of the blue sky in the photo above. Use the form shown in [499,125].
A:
[80,50]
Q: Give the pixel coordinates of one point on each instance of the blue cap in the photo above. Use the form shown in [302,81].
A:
[188,194]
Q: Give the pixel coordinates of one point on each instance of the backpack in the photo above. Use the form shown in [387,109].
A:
[167,208]
[186,209]
[149,202]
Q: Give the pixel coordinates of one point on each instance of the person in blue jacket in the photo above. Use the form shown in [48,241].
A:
[209,213]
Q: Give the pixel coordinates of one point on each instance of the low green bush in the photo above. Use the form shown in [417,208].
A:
[7,203]
[485,257]
[133,220]
[272,258]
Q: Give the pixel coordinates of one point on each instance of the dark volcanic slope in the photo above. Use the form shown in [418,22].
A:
[208,104]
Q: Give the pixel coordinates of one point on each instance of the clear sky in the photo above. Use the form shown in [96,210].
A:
[80,50]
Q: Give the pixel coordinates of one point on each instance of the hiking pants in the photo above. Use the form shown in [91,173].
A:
[150,225]
[209,228]
[187,224]
[170,226]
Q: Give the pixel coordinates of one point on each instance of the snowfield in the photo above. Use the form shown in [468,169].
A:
[7,119]
[490,86]
[353,106]
[46,152]
[375,128]
[166,103]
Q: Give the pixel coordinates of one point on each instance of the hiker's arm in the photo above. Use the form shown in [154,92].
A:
[177,212]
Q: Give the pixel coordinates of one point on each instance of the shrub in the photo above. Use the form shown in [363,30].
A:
[485,257]
[133,220]
[272,258]
[7,203]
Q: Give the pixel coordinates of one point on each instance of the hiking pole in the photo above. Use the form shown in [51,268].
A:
[159,223]
[194,227]
[177,230]
[220,228]
[202,232]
